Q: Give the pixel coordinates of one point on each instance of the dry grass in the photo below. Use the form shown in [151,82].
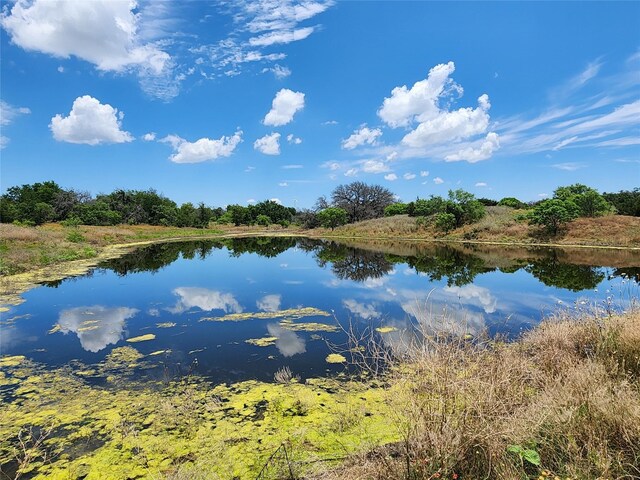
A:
[502,224]
[568,391]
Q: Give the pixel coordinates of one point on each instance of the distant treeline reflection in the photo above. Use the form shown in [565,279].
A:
[438,262]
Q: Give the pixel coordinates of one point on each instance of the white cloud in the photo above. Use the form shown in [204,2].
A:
[276,200]
[204,299]
[269,144]
[8,113]
[103,32]
[472,155]
[269,303]
[543,195]
[438,180]
[392,156]
[420,102]
[291,167]
[95,326]
[251,200]
[450,126]
[364,135]
[283,184]
[90,123]
[278,37]
[481,184]
[278,71]
[291,138]
[365,311]
[149,137]
[203,149]
[391,177]
[352,172]
[409,176]
[424,173]
[330,122]
[374,166]
[284,106]
[569,166]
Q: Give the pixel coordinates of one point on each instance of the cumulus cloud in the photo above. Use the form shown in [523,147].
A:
[203,149]
[105,33]
[291,138]
[269,144]
[438,180]
[91,123]
[424,173]
[425,109]
[374,166]
[352,172]
[450,126]
[420,102]
[364,135]
[362,310]
[475,294]
[204,299]
[96,326]
[409,176]
[149,137]
[391,177]
[284,106]
[472,155]
[269,303]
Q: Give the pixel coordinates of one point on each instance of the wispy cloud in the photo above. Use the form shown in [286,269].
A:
[569,166]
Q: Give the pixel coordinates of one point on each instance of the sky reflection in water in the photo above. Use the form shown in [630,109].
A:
[167,289]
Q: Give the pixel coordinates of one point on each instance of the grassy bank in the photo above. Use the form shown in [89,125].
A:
[563,401]
[503,225]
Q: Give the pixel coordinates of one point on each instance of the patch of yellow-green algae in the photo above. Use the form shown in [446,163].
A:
[262,342]
[127,429]
[386,329]
[335,358]
[290,314]
[142,338]
[165,325]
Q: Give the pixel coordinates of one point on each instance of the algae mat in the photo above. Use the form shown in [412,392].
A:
[116,428]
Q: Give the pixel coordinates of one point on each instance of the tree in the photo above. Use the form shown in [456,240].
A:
[362,201]
[554,213]
[445,221]
[427,207]
[332,217]
[464,207]
[398,208]
[263,220]
[588,200]
[626,202]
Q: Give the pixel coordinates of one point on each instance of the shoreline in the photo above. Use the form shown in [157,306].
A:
[13,286]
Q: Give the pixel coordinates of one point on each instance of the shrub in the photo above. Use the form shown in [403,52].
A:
[553,214]
[445,222]
[75,236]
[512,202]
[398,208]
[263,220]
[332,217]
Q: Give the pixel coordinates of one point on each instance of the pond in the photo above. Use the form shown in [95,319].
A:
[238,309]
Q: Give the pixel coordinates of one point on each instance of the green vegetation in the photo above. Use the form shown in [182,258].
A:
[625,202]
[332,217]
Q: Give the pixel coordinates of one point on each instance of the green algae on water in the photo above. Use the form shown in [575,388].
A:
[335,358]
[291,314]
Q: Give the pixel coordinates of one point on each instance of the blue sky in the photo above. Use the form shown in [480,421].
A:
[234,102]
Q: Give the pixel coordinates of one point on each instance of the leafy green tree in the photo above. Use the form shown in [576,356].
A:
[425,208]
[187,215]
[553,214]
[588,200]
[512,202]
[626,202]
[332,217]
[488,202]
[464,206]
[96,212]
[397,208]
[240,215]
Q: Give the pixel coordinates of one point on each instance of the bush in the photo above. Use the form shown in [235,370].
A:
[398,208]
[263,220]
[512,202]
[75,236]
[445,222]
[332,217]
[553,214]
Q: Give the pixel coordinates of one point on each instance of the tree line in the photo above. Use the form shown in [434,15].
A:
[38,203]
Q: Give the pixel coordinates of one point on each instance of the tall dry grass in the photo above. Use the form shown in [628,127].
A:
[568,393]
